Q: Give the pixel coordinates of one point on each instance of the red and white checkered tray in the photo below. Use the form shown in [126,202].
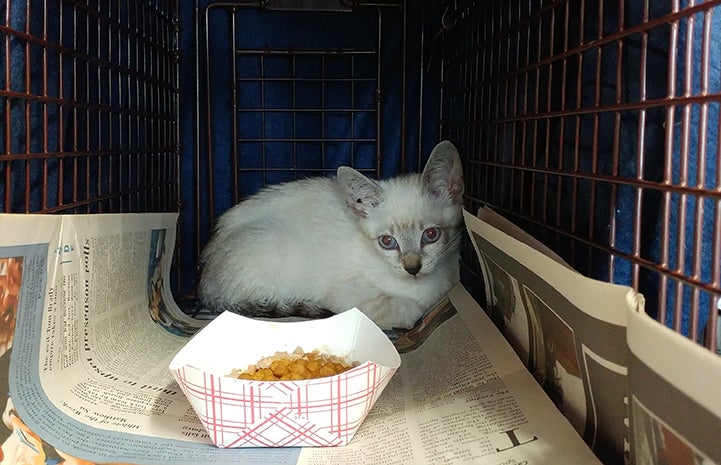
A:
[317,412]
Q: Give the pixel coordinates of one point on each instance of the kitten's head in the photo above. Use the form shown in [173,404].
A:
[415,220]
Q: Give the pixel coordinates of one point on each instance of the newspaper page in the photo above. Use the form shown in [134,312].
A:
[462,396]
[90,327]
[570,331]
[675,404]
[89,330]
[497,221]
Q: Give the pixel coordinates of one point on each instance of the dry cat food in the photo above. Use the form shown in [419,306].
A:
[296,365]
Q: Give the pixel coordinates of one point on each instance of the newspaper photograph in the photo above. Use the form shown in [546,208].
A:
[676,415]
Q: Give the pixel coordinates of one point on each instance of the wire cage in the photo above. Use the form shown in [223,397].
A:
[89,100]
[592,124]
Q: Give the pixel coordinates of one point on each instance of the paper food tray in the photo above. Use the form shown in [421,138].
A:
[317,412]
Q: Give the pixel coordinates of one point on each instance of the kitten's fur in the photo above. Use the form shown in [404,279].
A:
[311,246]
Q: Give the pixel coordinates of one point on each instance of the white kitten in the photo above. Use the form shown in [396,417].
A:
[311,246]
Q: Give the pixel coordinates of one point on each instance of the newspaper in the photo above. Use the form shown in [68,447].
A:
[636,391]
[89,327]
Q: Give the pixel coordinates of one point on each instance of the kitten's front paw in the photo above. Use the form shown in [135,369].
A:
[392,312]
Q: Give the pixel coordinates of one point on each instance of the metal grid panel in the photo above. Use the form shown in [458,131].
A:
[88,97]
[275,109]
[594,125]
[320,91]
[294,110]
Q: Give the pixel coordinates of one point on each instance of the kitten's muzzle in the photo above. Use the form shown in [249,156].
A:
[412,263]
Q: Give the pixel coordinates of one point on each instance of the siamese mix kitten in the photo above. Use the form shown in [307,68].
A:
[320,245]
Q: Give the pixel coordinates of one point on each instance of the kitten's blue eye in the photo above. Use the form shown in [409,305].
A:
[388,242]
[430,235]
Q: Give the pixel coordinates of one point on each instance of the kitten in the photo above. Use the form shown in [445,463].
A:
[320,245]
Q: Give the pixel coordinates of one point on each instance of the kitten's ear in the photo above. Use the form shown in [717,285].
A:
[361,193]
[443,174]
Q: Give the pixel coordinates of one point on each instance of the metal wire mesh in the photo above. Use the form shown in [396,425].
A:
[595,126]
[323,90]
[88,98]
[287,95]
